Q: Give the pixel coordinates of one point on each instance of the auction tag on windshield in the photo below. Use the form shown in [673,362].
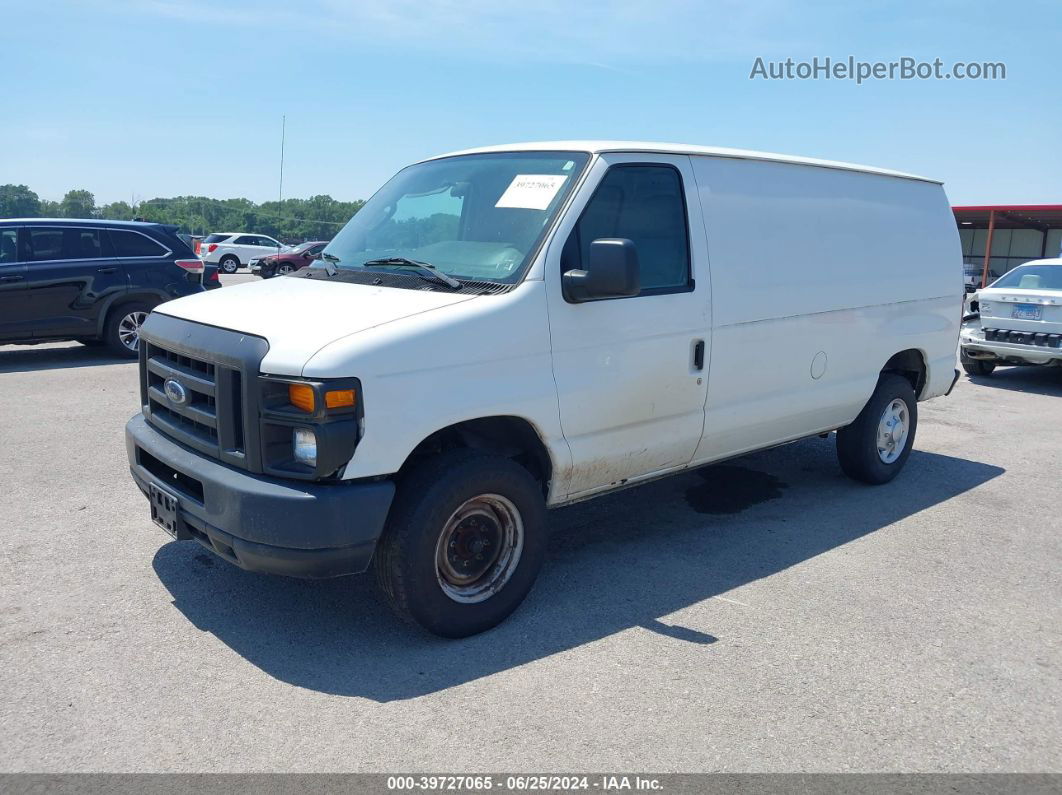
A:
[531,191]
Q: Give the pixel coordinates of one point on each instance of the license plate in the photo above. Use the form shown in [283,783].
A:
[164,510]
[1027,312]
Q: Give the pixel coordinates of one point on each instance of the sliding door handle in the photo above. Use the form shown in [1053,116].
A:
[10,278]
[698,355]
[106,270]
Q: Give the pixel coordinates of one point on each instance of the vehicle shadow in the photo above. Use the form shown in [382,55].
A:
[622,561]
[28,359]
[1031,380]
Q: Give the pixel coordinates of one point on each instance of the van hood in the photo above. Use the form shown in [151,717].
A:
[299,316]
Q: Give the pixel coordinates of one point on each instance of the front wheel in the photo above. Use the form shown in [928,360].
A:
[874,448]
[464,544]
[285,269]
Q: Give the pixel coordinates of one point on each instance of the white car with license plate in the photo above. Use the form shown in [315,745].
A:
[232,250]
[1018,320]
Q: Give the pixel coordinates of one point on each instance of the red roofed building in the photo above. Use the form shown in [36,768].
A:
[998,237]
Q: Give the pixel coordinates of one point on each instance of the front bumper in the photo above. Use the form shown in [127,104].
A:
[260,523]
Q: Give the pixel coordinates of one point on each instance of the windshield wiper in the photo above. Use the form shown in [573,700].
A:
[330,261]
[404,262]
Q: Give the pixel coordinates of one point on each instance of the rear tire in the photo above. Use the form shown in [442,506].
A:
[874,448]
[976,367]
[122,330]
[464,543]
[229,264]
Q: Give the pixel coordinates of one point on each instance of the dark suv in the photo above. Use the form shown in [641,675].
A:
[90,281]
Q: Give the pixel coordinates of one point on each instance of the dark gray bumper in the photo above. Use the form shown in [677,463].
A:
[260,523]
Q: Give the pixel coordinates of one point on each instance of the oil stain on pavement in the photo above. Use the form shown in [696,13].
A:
[732,489]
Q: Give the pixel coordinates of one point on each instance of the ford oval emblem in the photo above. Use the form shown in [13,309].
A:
[175,392]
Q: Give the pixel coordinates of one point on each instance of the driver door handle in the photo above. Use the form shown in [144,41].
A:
[698,355]
[106,270]
[10,278]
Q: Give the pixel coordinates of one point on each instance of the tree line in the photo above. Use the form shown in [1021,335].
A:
[290,220]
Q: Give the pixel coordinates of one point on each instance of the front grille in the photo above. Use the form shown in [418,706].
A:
[210,418]
[1037,338]
[197,417]
[211,372]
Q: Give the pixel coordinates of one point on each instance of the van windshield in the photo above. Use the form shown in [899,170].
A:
[477,217]
[1032,277]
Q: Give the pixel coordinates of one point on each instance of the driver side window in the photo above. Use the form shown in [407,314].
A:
[645,204]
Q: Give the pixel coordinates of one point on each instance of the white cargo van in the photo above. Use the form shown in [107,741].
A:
[509,329]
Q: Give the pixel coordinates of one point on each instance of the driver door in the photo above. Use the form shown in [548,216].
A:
[631,372]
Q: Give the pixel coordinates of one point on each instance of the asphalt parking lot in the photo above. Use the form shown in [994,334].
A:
[762,615]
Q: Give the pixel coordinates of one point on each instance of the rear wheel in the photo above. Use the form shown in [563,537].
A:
[978,367]
[874,448]
[229,264]
[464,544]
[122,331]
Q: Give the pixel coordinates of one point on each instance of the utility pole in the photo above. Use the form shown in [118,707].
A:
[283,129]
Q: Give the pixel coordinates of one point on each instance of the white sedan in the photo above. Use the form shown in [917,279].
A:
[1018,320]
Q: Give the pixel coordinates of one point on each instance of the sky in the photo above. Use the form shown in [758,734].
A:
[145,98]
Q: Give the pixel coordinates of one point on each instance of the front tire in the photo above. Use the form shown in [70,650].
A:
[464,543]
[122,331]
[874,448]
[229,264]
[285,269]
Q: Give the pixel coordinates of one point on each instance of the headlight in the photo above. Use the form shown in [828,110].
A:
[309,427]
[304,445]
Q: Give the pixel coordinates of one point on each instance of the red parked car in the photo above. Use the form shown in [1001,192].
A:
[289,261]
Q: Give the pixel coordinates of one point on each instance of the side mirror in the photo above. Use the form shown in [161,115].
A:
[611,272]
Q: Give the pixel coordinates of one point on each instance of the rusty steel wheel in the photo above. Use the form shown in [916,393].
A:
[479,548]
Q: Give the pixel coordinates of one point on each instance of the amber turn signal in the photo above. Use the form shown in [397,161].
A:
[301,397]
[339,398]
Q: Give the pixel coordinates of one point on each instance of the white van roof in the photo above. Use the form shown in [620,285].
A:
[597,147]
